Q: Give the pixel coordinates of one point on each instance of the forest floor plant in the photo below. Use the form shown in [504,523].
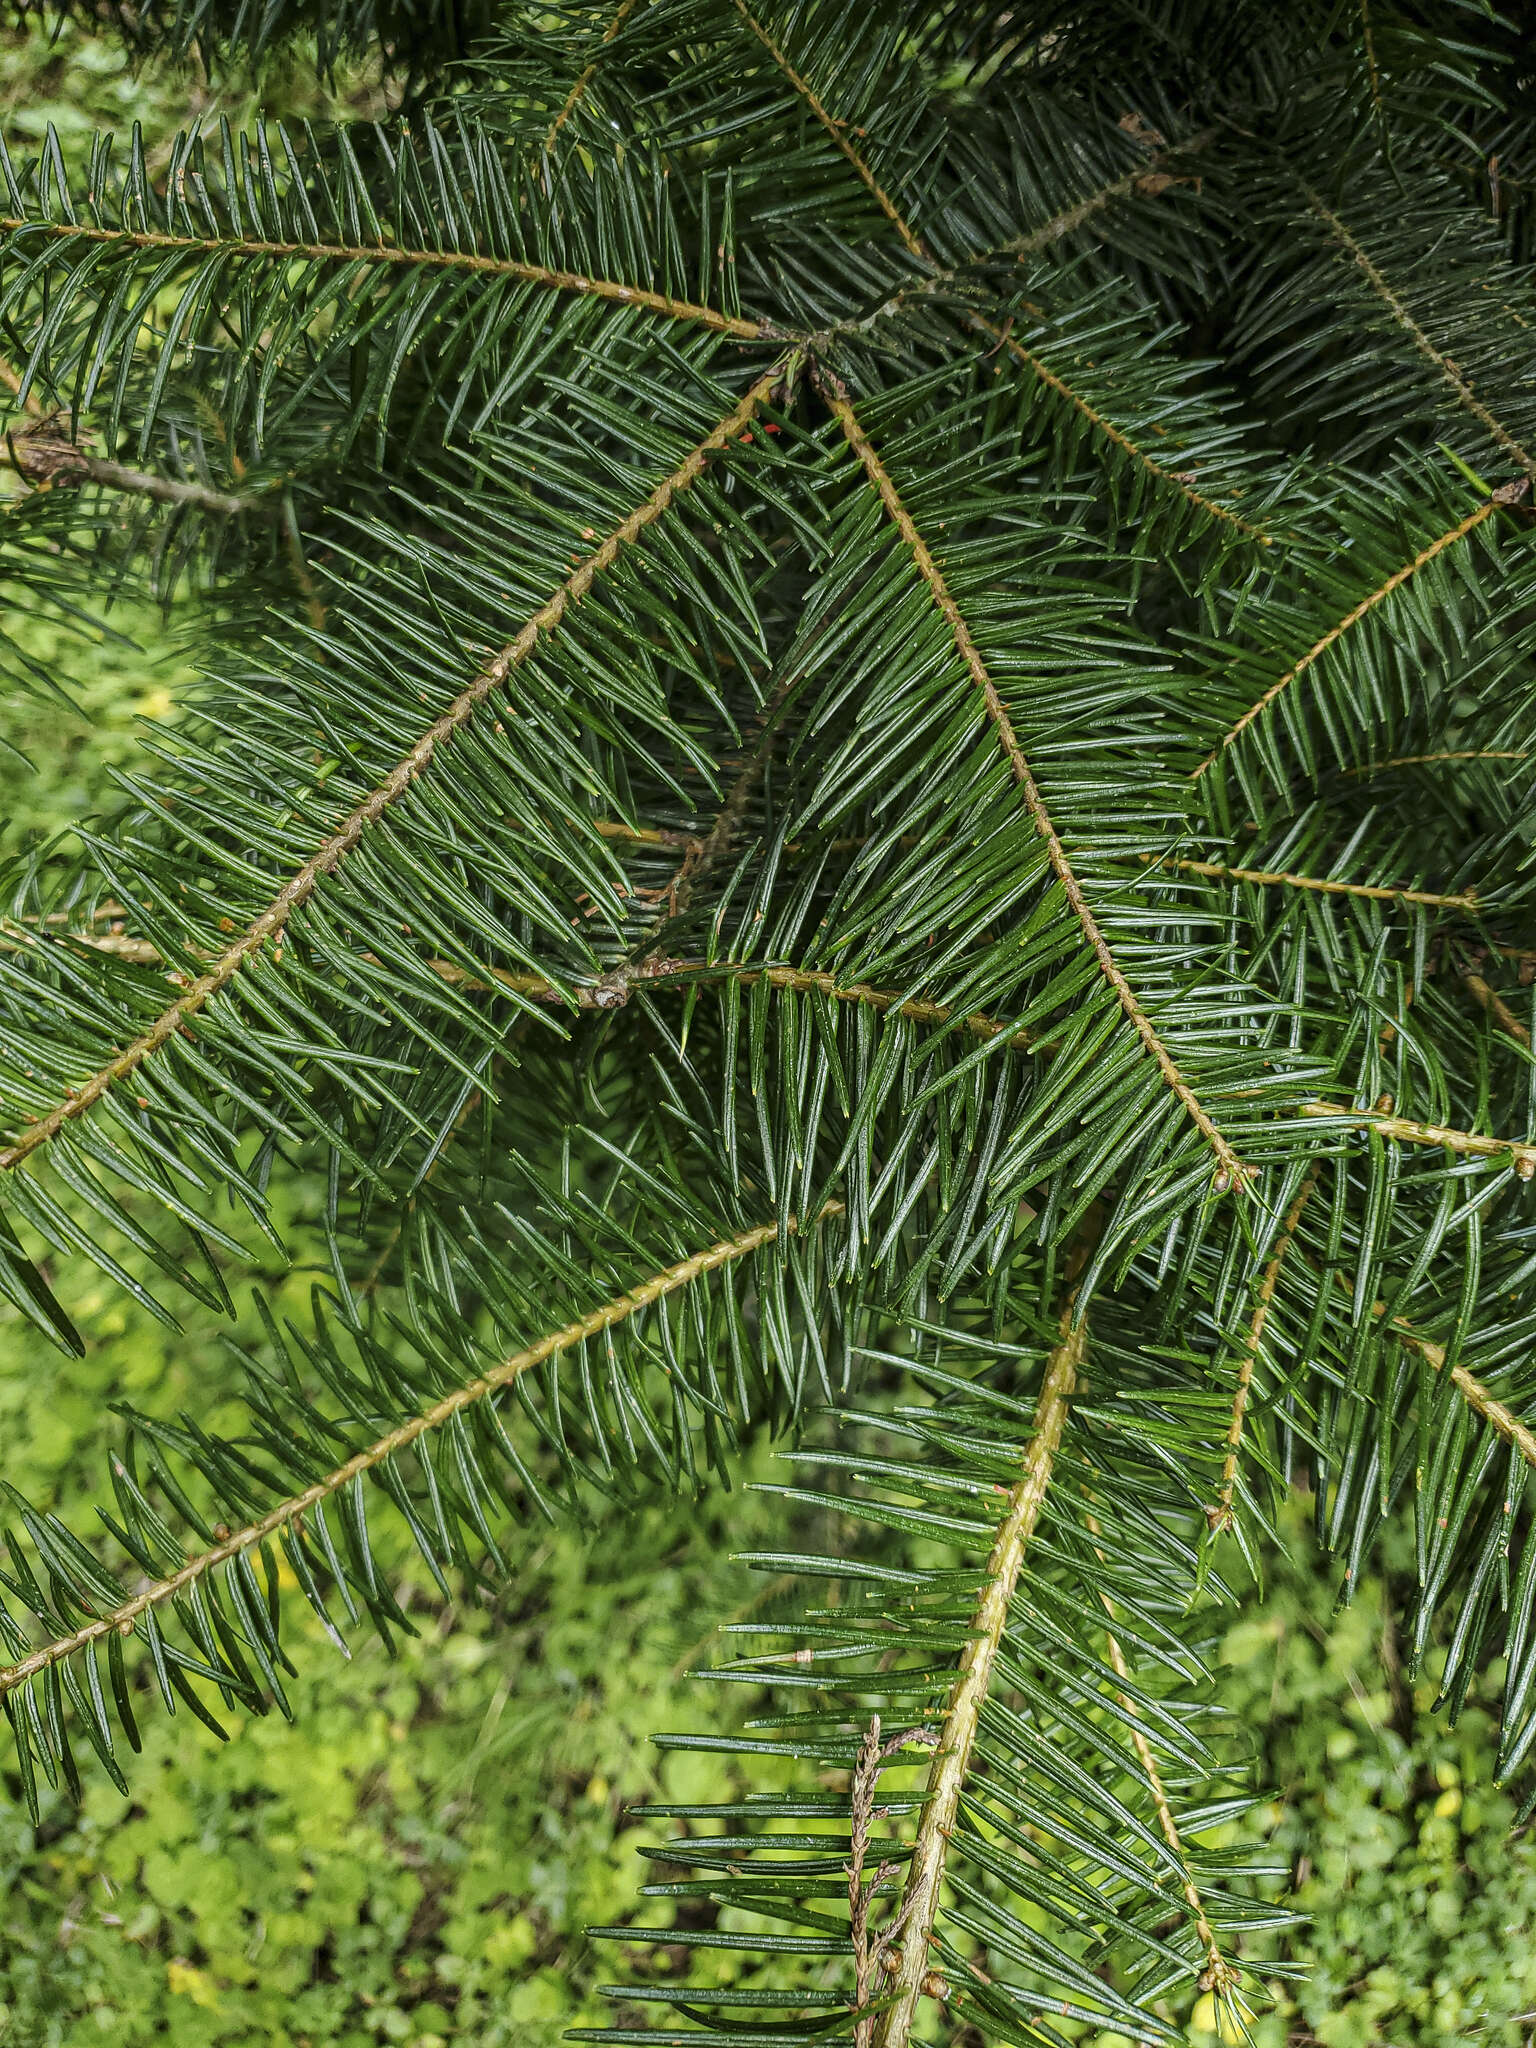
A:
[867,772]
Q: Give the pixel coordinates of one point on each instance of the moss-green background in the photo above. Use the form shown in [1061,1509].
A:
[413,1861]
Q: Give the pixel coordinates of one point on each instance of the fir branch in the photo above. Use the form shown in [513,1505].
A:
[1047,376]
[612,990]
[1477,1397]
[1231,1169]
[703,853]
[121,1620]
[873,1950]
[1218,1974]
[834,129]
[804,981]
[1071,218]
[1399,310]
[301,886]
[1020,247]
[1517,1152]
[1506,494]
[586,75]
[390,254]
[1284,879]
[957,1735]
[1220,1515]
[1064,224]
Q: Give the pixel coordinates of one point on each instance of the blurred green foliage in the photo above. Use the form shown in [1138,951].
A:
[69,742]
[1422,1901]
[59,74]
[414,1859]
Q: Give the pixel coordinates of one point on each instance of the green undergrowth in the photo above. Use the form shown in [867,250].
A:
[69,742]
[1421,1900]
[60,75]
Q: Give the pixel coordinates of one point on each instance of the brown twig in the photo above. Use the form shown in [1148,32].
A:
[611,991]
[45,461]
[872,1951]
[1521,1155]
[1281,879]
[1496,1007]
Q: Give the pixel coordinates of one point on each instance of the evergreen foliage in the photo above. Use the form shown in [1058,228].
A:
[867,768]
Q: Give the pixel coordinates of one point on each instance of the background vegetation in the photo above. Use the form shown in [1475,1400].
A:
[415,1860]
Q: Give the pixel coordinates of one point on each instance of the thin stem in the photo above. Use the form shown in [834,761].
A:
[1450,754]
[43,461]
[1507,494]
[1396,306]
[16,938]
[1218,1974]
[1283,879]
[1220,1516]
[871,1947]
[702,854]
[122,1619]
[585,77]
[1231,1167]
[1519,1154]
[334,850]
[293,544]
[1020,247]
[1368,42]
[957,1736]
[834,128]
[386,253]
[612,991]
[1077,215]
[1496,1007]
